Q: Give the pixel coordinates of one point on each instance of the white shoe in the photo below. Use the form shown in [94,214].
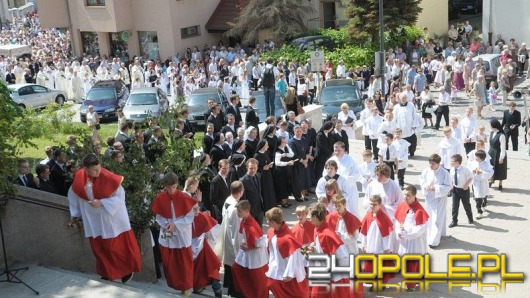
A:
[479,216]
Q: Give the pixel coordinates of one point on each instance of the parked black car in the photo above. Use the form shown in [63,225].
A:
[198,104]
[106,97]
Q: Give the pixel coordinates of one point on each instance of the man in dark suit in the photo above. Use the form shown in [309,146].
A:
[230,125]
[25,178]
[215,118]
[233,109]
[206,176]
[251,119]
[207,140]
[220,189]
[58,173]
[252,184]
[123,136]
[511,121]
[189,129]
[10,77]
[43,172]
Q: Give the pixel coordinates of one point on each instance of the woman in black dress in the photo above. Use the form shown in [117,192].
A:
[218,151]
[497,152]
[251,141]
[283,160]
[237,166]
[267,178]
[324,148]
[272,140]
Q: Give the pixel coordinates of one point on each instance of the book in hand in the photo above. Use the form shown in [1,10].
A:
[348,120]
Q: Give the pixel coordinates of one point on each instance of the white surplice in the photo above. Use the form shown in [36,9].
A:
[413,238]
[280,268]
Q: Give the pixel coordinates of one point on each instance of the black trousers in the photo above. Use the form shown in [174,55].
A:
[367,143]
[442,111]
[375,149]
[469,146]
[401,177]
[513,135]
[459,194]
[391,164]
[413,140]
[478,204]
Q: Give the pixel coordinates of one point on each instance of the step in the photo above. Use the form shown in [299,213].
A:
[57,282]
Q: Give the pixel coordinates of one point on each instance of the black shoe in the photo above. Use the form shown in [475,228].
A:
[218,294]
[104,278]
[198,291]
[127,277]
[470,221]
[450,194]
[500,187]
[299,200]
[285,205]
[453,224]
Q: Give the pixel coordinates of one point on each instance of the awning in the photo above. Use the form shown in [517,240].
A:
[225,13]
[11,50]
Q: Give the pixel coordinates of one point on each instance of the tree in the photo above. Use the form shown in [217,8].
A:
[364,17]
[285,18]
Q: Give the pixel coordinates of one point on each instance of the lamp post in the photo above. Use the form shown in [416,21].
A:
[382,48]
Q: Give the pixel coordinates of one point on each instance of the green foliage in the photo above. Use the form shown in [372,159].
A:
[284,18]
[340,37]
[289,53]
[397,38]
[364,17]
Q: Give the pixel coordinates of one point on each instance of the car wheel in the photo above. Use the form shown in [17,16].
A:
[22,107]
[60,100]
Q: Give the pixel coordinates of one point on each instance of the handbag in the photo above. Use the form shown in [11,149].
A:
[98,127]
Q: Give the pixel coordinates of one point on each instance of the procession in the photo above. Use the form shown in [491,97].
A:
[272,192]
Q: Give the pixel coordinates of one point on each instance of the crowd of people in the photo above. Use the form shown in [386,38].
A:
[248,177]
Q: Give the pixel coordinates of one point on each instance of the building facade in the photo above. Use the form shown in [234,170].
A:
[510,20]
[152,29]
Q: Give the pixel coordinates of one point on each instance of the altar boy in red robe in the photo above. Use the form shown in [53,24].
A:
[411,229]
[286,274]
[303,230]
[206,264]
[251,261]
[174,214]
[97,196]
[328,242]
[376,230]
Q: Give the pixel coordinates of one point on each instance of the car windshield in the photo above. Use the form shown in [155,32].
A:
[202,99]
[139,99]
[296,43]
[12,91]
[101,94]
[334,94]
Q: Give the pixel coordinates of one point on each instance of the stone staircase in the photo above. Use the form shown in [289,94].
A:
[56,282]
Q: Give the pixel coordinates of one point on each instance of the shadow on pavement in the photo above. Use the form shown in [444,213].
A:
[455,243]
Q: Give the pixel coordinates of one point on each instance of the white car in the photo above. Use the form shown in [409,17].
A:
[35,96]
[144,103]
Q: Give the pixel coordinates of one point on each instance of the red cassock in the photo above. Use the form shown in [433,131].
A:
[177,262]
[330,242]
[351,221]
[421,216]
[118,256]
[250,282]
[385,227]
[287,245]
[304,233]
[206,265]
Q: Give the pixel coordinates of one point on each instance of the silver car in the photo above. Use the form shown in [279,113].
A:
[35,96]
[145,102]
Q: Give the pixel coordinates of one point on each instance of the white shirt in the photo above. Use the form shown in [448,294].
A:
[439,178]
[367,172]
[280,268]
[231,238]
[109,221]
[468,126]
[463,174]
[447,148]
[413,238]
[254,257]
[390,193]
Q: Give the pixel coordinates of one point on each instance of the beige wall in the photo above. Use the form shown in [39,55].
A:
[434,16]
[165,17]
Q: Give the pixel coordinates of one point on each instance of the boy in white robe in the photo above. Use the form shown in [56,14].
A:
[482,171]
[435,184]
[448,147]
[367,169]
[411,230]
[402,156]
[230,239]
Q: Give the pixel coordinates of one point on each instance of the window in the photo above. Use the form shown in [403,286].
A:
[39,89]
[190,32]
[148,44]
[95,2]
